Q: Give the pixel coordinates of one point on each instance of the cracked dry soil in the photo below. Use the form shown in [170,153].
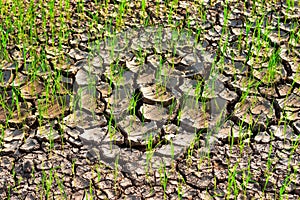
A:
[184,86]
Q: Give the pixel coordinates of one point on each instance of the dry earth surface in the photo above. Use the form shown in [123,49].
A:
[85,143]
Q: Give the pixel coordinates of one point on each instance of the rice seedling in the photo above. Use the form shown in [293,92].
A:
[163,178]
[61,187]
[179,188]
[149,155]
[116,172]
[122,9]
